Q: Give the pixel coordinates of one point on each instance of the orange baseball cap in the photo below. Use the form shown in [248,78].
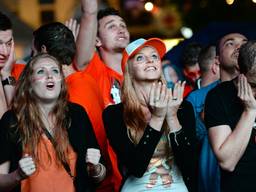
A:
[135,46]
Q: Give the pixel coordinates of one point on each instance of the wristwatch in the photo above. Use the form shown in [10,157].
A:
[9,81]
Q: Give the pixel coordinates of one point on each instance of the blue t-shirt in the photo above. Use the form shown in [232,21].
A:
[209,173]
[197,99]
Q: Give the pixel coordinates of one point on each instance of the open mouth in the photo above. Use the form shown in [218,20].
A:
[50,85]
[2,61]
[2,58]
[236,54]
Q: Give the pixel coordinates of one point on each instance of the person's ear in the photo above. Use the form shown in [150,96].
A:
[98,42]
[43,49]
[216,65]
[217,58]
[185,71]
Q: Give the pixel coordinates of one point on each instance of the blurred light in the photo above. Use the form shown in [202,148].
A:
[254,1]
[230,2]
[186,32]
[170,43]
[203,3]
[149,6]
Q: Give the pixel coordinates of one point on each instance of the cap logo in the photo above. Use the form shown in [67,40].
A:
[134,45]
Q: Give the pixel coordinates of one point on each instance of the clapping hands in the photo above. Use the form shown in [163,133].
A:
[164,102]
[158,100]
[245,93]
[175,98]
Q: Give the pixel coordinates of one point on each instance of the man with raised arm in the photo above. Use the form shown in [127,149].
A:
[106,31]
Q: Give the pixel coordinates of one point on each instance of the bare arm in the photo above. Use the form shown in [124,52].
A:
[228,145]
[87,33]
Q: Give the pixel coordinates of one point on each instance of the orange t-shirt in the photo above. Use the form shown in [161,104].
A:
[105,77]
[49,176]
[84,90]
[17,70]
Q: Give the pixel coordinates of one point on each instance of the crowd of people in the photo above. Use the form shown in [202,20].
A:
[92,111]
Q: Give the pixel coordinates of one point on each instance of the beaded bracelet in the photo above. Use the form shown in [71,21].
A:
[101,172]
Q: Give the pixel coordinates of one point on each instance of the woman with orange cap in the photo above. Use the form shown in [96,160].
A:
[138,128]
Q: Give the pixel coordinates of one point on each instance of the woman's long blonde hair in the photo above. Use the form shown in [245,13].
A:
[134,117]
[29,118]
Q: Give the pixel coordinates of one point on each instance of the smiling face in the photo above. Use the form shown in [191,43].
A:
[46,80]
[112,33]
[6,40]
[146,65]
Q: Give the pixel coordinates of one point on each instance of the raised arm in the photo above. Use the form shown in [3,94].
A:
[87,33]
[229,146]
